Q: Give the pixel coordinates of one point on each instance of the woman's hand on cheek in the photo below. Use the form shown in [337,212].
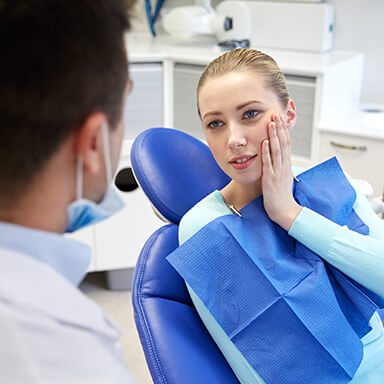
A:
[277,178]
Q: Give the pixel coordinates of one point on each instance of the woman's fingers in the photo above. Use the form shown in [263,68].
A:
[284,140]
[277,175]
[274,143]
[279,144]
[266,159]
[287,141]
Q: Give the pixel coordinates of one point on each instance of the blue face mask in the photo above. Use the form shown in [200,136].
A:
[83,212]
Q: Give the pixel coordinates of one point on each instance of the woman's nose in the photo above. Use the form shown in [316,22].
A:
[236,136]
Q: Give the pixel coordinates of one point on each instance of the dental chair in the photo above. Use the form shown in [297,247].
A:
[175,171]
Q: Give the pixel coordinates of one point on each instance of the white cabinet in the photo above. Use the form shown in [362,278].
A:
[302,90]
[361,157]
[144,108]
[186,117]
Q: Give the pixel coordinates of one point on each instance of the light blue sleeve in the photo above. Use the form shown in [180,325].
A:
[358,256]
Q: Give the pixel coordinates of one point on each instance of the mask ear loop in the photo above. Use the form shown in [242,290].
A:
[107,153]
[79,178]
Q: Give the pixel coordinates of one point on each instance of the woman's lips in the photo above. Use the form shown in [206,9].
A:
[242,162]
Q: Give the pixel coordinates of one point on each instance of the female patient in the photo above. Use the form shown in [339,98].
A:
[246,115]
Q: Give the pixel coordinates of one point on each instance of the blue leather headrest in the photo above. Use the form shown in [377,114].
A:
[175,170]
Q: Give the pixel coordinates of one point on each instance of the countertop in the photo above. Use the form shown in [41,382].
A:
[360,123]
[202,50]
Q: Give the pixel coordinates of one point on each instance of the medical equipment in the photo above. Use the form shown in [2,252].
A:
[283,25]
[229,22]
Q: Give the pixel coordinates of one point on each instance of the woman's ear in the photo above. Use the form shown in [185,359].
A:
[290,114]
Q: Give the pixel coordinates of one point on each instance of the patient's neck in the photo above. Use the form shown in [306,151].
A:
[239,195]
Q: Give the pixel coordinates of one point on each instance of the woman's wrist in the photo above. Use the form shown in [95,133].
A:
[288,216]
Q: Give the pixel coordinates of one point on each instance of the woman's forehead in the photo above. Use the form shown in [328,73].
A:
[234,87]
[235,77]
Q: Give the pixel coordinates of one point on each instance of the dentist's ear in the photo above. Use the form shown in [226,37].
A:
[290,114]
[90,143]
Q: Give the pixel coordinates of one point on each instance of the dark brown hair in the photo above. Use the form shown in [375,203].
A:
[60,61]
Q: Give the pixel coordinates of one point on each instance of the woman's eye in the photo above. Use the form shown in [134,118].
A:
[215,124]
[250,114]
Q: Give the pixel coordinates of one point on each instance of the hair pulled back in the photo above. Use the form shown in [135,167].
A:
[244,60]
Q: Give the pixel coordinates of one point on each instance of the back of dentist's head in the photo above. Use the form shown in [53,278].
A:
[60,61]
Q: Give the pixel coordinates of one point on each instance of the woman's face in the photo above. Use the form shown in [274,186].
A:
[235,109]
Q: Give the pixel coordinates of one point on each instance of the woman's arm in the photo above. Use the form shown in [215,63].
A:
[360,257]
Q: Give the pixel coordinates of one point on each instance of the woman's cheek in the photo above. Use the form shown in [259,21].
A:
[217,151]
[264,132]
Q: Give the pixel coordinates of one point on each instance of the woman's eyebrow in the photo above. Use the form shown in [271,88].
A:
[247,103]
[215,113]
[212,113]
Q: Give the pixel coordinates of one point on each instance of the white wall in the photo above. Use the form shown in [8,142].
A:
[359,26]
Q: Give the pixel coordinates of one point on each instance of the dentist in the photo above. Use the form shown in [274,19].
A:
[63,82]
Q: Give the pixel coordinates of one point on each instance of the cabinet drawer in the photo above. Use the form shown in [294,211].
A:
[186,117]
[302,90]
[144,106]
[362,158]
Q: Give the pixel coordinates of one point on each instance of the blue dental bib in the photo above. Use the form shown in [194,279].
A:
[294,317]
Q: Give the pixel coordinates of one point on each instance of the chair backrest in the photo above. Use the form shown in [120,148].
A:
[175,171]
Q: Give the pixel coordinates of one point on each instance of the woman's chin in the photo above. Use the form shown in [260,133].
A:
[248,180]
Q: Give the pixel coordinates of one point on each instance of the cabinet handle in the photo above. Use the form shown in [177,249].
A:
[351,147]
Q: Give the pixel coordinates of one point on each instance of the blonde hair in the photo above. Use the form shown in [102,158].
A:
[243,60]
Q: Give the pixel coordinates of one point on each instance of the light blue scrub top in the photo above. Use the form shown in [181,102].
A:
[68,257]
[50,331]
[358,256]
